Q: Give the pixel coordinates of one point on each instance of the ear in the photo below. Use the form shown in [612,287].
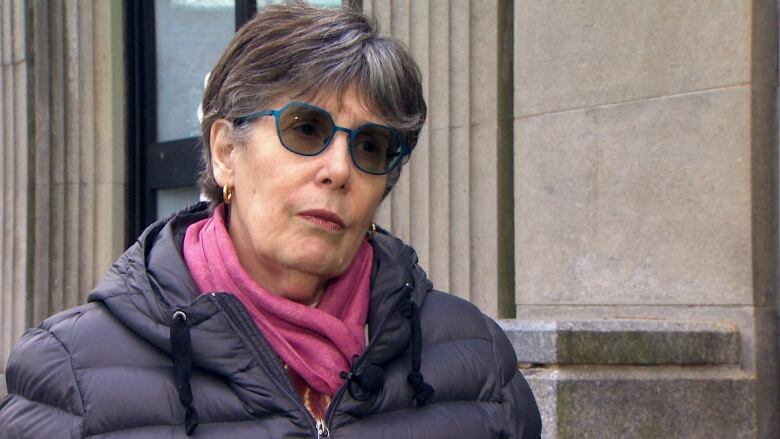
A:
[222,152]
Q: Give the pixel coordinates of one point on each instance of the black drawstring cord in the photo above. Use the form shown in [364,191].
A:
[410,310]
[370,380]
[181,350]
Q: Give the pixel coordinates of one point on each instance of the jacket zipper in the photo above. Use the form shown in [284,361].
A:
[337,397]
[320,426]
[322,429]
[285,385]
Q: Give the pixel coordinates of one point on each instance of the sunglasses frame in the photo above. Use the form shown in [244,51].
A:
[402,157]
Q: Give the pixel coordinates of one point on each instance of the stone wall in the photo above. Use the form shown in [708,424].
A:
[637,378]
[645,174]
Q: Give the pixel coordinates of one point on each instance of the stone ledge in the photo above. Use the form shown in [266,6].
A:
[644,401]
[636,342]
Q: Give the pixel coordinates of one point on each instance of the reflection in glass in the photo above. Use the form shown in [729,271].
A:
[173,200]
[204,4]
[261,3]
[191,35]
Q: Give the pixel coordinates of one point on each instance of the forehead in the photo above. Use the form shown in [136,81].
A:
[337,103]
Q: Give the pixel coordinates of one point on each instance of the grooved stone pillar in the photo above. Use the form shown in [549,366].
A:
[454,200]
[15,164]
[645,171]
[63,156]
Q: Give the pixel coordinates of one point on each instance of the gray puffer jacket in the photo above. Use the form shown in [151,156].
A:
[122,366]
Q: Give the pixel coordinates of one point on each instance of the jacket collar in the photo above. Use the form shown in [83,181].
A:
[150,281]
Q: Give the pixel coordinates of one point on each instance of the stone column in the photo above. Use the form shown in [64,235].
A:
[79,148]
[15,163]
[645,176]
[454,200]
[64,156]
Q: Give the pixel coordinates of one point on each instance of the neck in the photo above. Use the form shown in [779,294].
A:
[291,284]
[298,286]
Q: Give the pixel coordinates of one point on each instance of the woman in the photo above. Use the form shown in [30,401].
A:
[279,309]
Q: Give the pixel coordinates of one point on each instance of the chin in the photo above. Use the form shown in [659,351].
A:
[321,259]
[320,264]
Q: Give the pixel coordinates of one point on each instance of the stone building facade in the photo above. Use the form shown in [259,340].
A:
[602,176]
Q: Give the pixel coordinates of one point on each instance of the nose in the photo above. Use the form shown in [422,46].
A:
[336,164]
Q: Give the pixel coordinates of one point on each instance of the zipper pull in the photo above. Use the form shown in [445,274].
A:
[322,429]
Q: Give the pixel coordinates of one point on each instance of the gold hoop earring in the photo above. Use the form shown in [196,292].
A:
[227,194]
[372,228]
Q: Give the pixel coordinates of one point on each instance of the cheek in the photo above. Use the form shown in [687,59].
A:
[260,174]
[379,190]
[372,199]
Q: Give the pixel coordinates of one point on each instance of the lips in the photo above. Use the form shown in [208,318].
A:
[323,218]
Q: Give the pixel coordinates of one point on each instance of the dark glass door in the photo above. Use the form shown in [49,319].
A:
[171,47]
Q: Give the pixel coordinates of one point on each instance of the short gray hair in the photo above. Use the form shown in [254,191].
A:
[304,52]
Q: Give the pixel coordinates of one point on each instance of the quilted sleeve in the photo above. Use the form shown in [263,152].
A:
[43,394]
[521,413]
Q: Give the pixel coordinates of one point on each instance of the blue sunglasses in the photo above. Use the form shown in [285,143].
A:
[306,129]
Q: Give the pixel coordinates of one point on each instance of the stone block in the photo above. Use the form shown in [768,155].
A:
[744,318]
[644,402]
[638,342]
[575,54]
[544,387]
[646,202]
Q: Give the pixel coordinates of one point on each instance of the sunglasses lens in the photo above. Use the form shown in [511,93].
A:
[376,149]
[305,130]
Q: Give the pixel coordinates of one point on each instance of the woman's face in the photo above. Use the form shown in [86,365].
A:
[297,221]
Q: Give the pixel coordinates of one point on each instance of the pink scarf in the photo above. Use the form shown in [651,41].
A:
[316,343]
